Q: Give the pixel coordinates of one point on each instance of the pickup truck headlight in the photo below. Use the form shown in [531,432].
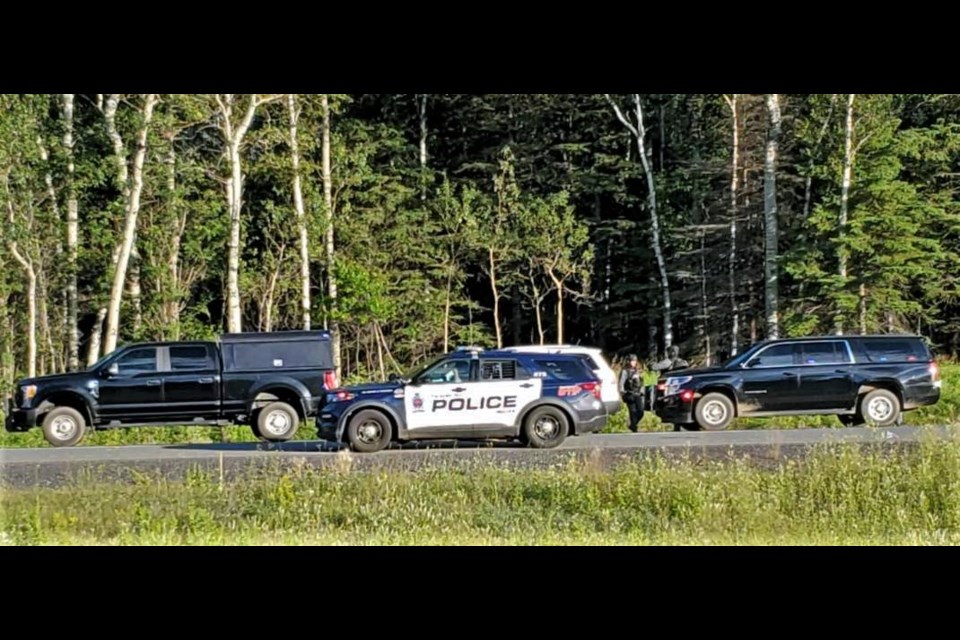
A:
[28,392]
[674,384]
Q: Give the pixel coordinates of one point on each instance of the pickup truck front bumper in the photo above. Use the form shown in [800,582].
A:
[16,419]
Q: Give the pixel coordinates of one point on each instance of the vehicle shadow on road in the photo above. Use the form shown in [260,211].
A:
[324,446]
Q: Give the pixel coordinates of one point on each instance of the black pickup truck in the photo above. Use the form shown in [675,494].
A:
[271,381]
[860,379]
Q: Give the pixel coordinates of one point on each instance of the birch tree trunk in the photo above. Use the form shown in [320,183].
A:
[496,297]
[771,233]
[73,332]
[132,199]
[233,135]
[422,109]
[334,326]
[732,263]
[31,277]
[294,113]
[640,134]
[172,297]
[845,200]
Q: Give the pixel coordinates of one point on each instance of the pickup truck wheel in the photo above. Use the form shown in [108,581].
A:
[545,428]
[369,431]
[63,427]
[277,422]
[714,412]
[880,407]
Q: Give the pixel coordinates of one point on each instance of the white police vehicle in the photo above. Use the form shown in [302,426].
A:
[537,398]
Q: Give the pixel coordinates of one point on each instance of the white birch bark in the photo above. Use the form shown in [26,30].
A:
[732,262]
[640,134]
[298,206]
[847,179]
[771,218]
[131,193]
[329,235]
[73,332]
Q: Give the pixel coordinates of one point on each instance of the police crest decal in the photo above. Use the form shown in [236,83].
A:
[417,403]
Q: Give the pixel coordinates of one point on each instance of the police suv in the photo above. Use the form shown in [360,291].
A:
[537,398]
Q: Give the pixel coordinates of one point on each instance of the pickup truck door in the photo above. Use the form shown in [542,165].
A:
[191,382]
[135,392]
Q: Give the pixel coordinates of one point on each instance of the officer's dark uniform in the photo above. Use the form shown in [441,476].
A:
[631,390]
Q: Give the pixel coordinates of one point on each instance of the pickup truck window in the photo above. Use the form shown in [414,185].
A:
[191,358]
[138,361]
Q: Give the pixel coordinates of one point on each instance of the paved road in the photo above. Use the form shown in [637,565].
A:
[50,466]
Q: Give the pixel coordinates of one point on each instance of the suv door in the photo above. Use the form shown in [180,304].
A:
[191,386]
[771,381]
[826,378]
[135,392]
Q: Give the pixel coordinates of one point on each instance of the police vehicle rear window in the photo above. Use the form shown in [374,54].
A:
[563,370]
[894,350]
[498,370]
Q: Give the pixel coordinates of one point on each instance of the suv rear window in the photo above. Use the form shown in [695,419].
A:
[895,350]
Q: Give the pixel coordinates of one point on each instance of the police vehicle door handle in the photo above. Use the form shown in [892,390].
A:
[459,390]
[526,386]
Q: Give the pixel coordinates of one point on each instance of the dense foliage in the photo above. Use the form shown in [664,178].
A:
[450,219]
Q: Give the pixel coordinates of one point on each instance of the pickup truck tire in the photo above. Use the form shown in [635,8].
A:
[714,412]
[277,422]
[545,428]
[63,427]
[369,431]
[880,407]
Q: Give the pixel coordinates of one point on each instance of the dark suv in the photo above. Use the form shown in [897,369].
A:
[860,379]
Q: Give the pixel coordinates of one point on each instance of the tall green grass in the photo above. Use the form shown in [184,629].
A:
[839,495]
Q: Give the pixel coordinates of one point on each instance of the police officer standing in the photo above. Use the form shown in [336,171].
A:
[672,362]
[631,390]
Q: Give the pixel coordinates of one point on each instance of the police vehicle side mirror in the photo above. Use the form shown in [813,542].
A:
[393,377]
[111,371]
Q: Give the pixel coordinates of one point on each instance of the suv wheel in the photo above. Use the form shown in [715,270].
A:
[63,427]
[369,431]
[714,412]
[880,407]
[545,428]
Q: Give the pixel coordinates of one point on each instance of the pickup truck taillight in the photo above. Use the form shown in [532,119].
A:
[330,380]
[592,387]
[934,371]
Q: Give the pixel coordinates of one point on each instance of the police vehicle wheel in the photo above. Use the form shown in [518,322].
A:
[277,422]
[64,427]
[880,407]
[714,412]
[369,431]
[545,428]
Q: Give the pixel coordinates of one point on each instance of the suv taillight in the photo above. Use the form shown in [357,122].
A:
[592,387]
[934,371]
[330,380]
